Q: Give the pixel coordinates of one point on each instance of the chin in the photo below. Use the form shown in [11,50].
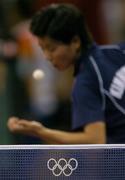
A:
[62,68]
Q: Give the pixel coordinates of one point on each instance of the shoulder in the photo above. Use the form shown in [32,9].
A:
[113,49]
[87,76]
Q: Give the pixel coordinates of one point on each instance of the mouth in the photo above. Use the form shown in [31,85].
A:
[59,67]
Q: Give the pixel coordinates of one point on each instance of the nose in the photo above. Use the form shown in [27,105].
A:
[50,58]
[48,55]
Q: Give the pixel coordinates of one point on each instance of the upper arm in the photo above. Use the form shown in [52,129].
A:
[87,100]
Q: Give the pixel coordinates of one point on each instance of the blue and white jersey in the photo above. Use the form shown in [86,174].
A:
[99,90]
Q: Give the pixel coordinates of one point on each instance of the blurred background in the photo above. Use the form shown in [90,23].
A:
[47,99]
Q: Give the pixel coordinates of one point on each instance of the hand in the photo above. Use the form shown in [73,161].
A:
[32,128]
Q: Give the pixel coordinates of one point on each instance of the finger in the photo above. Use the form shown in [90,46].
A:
[29,123]
[22,129]
[24,123]
[16,128]
[35,123]
[12,122]
[14,117]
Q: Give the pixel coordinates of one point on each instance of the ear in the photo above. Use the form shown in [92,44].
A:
[76,42]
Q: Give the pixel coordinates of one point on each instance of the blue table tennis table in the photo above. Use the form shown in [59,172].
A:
[68,162]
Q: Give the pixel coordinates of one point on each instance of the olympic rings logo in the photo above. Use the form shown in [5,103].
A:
[62,166]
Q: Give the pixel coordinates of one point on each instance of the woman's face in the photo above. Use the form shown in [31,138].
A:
[59,54]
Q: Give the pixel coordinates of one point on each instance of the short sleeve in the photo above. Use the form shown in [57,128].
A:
[87,99]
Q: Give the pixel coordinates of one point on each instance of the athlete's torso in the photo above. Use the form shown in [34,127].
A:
[101,83]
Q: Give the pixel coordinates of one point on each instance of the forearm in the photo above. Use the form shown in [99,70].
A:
[62,137]
[94,133]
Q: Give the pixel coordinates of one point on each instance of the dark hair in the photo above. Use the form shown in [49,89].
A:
[61,22]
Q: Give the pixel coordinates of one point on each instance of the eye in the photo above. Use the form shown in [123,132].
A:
[52,48]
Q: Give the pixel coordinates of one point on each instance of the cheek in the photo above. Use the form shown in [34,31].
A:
[65,54]
[63,57]
[60,61]
[59,56]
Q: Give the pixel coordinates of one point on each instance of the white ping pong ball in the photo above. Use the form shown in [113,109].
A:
[38,74]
